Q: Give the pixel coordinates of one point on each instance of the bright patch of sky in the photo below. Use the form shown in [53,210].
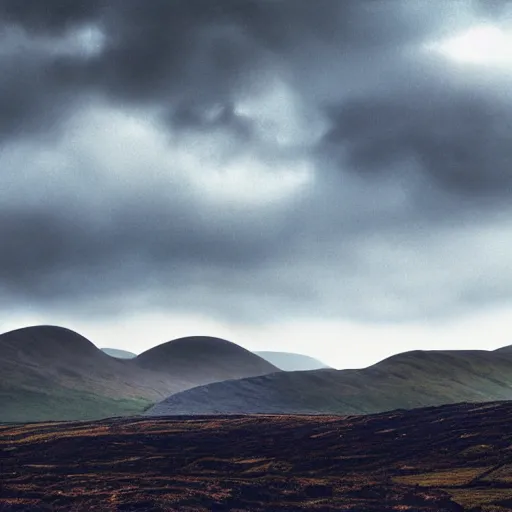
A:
[483,45]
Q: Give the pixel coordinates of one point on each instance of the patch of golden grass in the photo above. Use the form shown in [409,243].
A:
[467,436]
[356,456]
[450,477]
[477,449]
[21,501]
[250,461]
[41,466]
[323,434]
[503,474]
[118,461]
[30,436]
[480,497]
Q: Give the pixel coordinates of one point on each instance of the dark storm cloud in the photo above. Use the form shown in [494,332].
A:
[460,140]
[202,52]
[393,144]
[31,100]
[48,16]
[36,89]
[45,244]
[183,56]
[195,54]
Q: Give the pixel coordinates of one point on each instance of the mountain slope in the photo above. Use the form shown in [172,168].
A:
[508,348]
[290,361]
[50,373]
[408,380]
[120,354]
[204,358]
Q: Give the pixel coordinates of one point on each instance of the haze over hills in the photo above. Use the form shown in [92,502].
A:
[287,361]
[120,354]
[290,361]
[51,373]
[407,380]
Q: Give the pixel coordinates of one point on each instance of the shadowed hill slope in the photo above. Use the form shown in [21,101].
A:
[291,362]
[508,348]
[120,354]
[408,380]
[50,373]
[204,357]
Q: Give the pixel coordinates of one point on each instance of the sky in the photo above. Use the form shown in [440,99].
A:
[326,177]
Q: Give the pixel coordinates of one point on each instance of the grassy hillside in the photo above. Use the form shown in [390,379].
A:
[290,362]
[408,380]
[52,373]
[64,403]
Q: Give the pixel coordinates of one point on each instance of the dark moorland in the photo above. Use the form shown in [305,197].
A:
[448,458]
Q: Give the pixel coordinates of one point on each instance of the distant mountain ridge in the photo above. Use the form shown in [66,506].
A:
[404,381]
[121,354]
[53,373]
[291,361]
[286,361]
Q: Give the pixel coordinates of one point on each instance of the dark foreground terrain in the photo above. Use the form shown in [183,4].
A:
[451,458]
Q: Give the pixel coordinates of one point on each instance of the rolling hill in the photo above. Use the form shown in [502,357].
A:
[290,361]
[507,349]
[53,373]
[404,381]
[120,354]
[204,358]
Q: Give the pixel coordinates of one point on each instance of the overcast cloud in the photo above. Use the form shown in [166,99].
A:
[255,162]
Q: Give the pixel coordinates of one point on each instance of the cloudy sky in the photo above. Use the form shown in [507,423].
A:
[323,176]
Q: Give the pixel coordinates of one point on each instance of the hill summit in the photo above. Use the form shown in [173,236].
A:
[53,373]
